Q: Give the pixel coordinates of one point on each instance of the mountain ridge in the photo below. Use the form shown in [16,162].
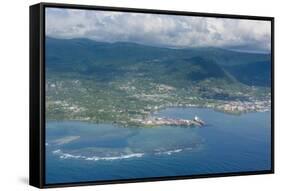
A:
[93,58]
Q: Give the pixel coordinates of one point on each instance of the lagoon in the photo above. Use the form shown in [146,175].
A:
[81,151]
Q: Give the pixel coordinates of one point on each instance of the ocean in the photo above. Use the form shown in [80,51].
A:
[82,151]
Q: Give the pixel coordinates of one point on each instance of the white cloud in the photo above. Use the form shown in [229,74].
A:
[160,30]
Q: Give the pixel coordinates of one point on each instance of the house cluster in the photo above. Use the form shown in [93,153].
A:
[157,121]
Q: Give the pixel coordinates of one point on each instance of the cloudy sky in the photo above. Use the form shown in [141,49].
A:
[158,30]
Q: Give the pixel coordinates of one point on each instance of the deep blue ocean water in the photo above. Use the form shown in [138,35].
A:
[80,151]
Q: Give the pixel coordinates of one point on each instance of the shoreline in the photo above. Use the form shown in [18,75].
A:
[132,122]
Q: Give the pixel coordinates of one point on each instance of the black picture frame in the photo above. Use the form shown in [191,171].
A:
[37,93]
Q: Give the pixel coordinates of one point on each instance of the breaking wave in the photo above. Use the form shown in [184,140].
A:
[169,152]
[63,155]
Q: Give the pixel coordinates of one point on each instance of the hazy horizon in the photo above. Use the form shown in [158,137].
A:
[159,30]
[158,46]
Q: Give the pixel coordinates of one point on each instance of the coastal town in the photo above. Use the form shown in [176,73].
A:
[243,107]
[134,102]
[158,121]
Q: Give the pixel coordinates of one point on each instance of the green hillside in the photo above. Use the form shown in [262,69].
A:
[120,82]
[105,60]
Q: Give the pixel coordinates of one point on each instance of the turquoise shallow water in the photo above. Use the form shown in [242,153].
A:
[79,151]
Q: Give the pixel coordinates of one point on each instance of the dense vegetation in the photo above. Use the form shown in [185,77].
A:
[118,82]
